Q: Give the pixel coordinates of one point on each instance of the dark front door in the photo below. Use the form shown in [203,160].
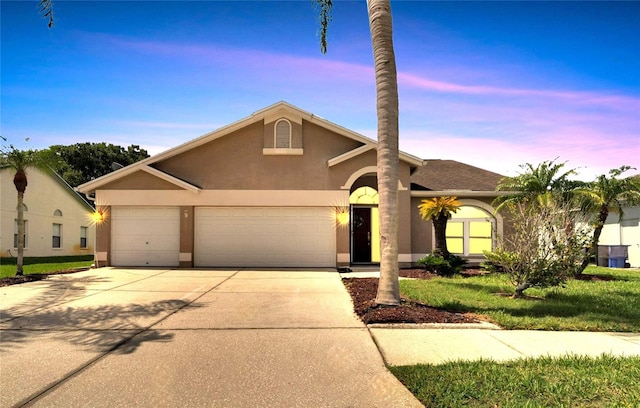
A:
[361,234]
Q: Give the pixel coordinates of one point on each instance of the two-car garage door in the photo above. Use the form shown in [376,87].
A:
[269,237]
[225,237]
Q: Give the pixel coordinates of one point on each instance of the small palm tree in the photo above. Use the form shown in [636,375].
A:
[536,185]
[439,210]
[19,161]
[604,195]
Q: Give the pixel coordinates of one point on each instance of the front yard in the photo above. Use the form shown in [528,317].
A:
[609,301]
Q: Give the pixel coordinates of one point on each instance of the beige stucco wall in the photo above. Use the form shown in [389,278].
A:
[237,162]
[42,197]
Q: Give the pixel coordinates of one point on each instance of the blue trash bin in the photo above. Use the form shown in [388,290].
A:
[616,262]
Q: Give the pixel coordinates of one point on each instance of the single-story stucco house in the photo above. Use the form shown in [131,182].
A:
[280,188]
[57,218]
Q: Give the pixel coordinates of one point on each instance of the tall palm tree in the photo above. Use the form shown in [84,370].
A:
[439,210]
[384,58]
[381,28]
[19,161]
[536,185]
[604,195]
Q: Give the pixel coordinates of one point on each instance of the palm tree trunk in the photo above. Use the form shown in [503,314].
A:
[388,174]
[592,251]
[20,221]
[440,230]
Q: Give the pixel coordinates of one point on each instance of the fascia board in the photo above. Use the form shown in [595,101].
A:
[350,154]
[457,193]
[169,178]
[89,186]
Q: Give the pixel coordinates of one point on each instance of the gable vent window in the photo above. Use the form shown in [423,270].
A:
[283,134]
[57,213]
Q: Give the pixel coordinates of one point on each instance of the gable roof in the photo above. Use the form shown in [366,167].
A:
[268,114]
[451,175]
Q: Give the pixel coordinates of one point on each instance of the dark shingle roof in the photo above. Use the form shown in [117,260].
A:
[439,175]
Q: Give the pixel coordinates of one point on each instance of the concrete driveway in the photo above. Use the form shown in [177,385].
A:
[215,338]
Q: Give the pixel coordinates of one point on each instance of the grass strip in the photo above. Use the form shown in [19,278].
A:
[574,381]
[40,265]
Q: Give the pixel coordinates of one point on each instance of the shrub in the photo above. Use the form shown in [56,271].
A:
[544,248]
[442,266]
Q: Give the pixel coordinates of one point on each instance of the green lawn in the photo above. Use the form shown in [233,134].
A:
[543,382]
[44,264]
[612,305]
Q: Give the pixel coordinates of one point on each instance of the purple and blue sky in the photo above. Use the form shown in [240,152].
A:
[492,84]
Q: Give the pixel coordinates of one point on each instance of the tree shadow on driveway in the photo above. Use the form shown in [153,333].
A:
[120,328]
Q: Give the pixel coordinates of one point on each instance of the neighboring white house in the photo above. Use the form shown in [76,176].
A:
[625,231]
[57,219]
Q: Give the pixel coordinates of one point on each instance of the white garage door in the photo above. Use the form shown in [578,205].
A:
[145,236]
[269,237]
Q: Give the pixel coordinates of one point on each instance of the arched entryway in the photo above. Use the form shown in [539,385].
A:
[365,225]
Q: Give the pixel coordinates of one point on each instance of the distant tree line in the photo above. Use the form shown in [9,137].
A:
[83,162]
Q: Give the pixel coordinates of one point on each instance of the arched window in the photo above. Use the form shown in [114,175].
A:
[470,231]
[282,134]
[364,195]
[57,213]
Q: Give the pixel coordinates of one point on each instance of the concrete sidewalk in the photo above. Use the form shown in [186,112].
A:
[189,338]
[408,346]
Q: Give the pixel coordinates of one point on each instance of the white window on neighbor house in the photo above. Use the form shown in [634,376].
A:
[83,237]
[57,213]
[15,233]
[470,231]
[57,236]
[282,134]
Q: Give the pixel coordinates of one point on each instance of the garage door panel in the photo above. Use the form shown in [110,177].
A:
[264,237]
[145,236]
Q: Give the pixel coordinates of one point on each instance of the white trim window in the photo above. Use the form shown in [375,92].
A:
[15,233]
[470,231]
[57,236]
[282,134]
[83,237]
[283,140]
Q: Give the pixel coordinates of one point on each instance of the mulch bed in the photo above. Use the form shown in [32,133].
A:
[363,293]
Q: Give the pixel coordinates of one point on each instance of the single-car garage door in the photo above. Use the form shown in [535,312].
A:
[269,237]
[145,236]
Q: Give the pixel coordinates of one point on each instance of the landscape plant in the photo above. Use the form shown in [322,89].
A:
[439,210]
[19,161]
[544,247]
[442,266]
